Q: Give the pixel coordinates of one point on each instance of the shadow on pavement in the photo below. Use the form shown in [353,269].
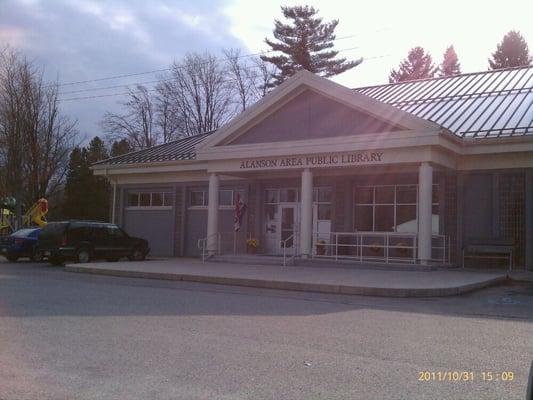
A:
[29,290]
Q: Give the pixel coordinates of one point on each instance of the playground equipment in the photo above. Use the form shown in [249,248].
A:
[36,214]
[7,215]
[6,221]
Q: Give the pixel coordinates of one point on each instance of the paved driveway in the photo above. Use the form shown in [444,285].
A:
[67,336]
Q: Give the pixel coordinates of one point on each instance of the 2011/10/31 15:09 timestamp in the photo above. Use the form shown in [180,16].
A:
[465,376]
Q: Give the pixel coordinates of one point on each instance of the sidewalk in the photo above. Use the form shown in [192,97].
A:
[521,276]
[367,282]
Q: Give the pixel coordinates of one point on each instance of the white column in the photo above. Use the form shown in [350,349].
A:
[306,213]
[212,214]
[425,188]
[114,202]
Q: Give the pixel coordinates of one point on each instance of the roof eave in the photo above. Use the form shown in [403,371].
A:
[147,164]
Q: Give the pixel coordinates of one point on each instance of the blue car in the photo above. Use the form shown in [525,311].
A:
[22,243]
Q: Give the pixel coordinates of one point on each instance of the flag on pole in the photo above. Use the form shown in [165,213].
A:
[240,208]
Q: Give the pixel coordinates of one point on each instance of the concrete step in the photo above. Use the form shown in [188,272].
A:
[250,259]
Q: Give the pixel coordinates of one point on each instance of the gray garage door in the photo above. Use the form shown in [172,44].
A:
[156,226]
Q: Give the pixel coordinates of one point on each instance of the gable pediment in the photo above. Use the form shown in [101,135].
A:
[308,107]
[311,115]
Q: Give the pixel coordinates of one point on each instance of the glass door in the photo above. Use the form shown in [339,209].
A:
[288,228]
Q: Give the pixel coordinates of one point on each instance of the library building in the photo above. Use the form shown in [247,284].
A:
[436,171]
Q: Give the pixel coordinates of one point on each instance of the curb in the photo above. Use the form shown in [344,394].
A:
[519,278]
[294,286]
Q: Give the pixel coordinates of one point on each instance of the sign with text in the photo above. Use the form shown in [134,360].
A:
[329,160]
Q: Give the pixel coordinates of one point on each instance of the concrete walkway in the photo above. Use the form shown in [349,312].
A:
[367,282]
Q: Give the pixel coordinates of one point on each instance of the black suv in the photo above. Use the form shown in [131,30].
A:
[82,241]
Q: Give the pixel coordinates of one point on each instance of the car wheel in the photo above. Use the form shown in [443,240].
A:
[12,258]
[83,255]
[37,256]
[137,255]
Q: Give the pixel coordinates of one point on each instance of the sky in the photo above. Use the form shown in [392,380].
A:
[76,40]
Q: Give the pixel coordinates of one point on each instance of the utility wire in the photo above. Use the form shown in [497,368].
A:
[163,80]
[182,66]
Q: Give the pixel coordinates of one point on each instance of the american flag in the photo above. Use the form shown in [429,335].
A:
[240,208]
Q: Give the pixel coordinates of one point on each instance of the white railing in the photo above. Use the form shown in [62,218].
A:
[202,245]
[283,243]
[380,247]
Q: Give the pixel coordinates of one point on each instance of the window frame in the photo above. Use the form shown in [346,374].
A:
[394,204]
[164,195]
[205,198]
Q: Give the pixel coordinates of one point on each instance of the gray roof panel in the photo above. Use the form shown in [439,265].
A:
[478,105]
[177,150]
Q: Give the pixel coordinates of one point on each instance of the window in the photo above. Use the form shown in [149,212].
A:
[198,198]
[322,198]
[226,198]
[133,199]
[271,196]
[389,208]
[168,199]
[157,199]
[150,199]
[114,232]
[364,218]
[144,200]
[288,195]
[284,195]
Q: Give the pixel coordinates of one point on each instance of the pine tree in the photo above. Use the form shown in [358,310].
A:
[120,147]
[418,65]
[76,186]
[450,64]
[98,197]
[511,52]
[306,42]
[86,195]
[96,151]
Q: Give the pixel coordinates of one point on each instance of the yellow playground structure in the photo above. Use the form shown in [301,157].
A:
[34,216]
[6,221]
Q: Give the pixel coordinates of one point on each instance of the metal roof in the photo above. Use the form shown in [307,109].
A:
[181,149]
[485,104]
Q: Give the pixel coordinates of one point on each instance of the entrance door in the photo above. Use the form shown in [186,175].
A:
[321,230]
[288,225]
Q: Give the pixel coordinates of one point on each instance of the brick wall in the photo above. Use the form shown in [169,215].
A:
[450,212]
[511,196]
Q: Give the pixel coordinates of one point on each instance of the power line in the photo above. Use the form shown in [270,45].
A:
[154,89]
[182,66]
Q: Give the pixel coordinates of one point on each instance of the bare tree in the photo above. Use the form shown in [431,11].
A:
[251,77]
[137,123]
[201,93]
[243,76]
[198,95]
[165,114]
[265,77]
[36,138]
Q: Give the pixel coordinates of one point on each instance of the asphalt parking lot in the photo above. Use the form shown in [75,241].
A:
[67,335]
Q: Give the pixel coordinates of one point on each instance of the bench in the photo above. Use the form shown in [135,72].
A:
[489,248]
